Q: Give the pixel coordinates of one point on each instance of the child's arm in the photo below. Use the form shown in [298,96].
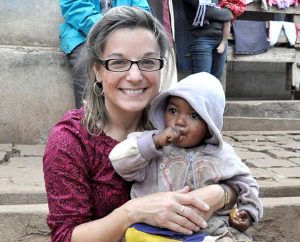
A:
[238,176]
[131,157]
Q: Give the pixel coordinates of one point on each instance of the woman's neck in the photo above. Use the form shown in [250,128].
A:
[121,124]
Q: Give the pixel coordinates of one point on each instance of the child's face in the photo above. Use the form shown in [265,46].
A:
[180,115]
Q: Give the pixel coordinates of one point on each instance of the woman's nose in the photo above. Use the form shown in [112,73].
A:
[134,73]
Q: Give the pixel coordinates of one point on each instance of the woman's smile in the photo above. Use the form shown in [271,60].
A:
[133,92]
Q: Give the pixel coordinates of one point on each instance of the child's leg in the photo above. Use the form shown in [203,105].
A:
[226,32]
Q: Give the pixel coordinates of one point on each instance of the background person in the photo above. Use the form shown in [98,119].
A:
[206,38]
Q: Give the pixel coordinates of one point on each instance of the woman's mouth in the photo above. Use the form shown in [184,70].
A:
[133,91]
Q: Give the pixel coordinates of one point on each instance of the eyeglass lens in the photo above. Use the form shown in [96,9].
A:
[149,64]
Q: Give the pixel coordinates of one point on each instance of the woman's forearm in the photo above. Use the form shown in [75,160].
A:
[232,198]
[214,197]
[108,229]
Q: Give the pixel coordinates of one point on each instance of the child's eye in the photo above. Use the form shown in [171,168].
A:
[172,110]
[195,116]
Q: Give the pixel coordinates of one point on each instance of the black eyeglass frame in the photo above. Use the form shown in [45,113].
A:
[105,64]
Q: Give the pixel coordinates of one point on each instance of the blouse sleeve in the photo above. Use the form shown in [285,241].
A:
[66,176]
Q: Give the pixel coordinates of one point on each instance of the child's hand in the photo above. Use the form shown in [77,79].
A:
[166,137]
[240,220]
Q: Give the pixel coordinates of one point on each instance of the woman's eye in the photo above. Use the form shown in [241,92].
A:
[118,62]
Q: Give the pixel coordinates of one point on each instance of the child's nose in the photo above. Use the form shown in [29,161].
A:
[180,121]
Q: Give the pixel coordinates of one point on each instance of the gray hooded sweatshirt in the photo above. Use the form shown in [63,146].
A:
[171,168]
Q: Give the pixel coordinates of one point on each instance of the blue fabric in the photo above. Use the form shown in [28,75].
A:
[253,43]
[205,56]
[81,15]
[169,233]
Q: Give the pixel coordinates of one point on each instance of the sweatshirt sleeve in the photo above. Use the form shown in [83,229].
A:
[247,189]
[217,14]
[239,178]
[212,13]
[131,157]
[81,15]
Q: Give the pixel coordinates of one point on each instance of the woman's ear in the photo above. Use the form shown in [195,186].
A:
[96,69]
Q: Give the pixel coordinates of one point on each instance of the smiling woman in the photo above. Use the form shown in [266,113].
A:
[88,201]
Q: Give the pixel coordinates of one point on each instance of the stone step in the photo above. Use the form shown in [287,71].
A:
[262,115]
[287,109]
[260,124]
[38,90]
[273,158]
[280,222]
[34,24]
[24,223]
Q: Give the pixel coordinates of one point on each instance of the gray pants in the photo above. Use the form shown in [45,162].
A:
[79,74]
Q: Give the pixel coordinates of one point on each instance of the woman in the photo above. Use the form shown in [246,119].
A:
[87,200]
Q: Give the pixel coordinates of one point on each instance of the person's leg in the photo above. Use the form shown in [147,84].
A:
[218,61]
[79,74]
[201,52]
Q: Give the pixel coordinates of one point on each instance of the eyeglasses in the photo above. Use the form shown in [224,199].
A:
[120,65]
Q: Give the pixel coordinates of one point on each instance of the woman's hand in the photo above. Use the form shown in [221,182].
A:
[171,210]
[213,196]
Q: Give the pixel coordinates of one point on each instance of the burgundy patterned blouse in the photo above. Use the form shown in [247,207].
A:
[80,181]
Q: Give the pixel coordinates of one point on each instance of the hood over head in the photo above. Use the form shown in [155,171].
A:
[205,94]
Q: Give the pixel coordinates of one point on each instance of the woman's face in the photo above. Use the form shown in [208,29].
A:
[132,90]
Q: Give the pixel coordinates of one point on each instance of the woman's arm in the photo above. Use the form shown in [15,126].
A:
[214,197]
[160,209]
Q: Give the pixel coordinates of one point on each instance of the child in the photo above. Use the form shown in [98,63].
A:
[187,149]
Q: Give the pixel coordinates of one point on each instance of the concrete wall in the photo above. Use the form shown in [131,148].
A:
[35,79]
[29,23]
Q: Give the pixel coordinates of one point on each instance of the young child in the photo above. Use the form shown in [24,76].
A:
[187,150]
